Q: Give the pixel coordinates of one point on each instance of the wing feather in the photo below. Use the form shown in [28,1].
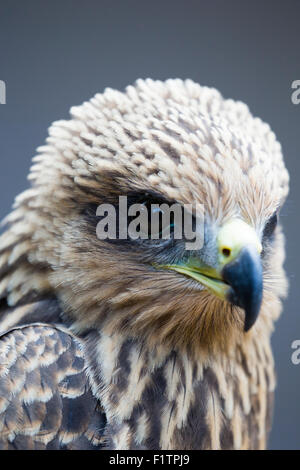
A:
[45,398]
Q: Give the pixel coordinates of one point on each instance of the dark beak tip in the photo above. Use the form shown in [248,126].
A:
[249,322]
[245,278]
[252,314]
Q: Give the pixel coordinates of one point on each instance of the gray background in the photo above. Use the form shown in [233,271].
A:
[55,54]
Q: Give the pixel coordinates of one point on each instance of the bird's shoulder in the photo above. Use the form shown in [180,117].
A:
[45,397]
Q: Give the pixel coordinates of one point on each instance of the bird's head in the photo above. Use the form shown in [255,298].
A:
[158,143]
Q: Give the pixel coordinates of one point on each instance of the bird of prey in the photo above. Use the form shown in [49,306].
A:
[141,343]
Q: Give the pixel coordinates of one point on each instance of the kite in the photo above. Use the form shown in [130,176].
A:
[141,343]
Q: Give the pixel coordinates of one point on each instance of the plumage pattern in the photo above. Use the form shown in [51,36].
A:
[176,401]
[155,359]
[45,401]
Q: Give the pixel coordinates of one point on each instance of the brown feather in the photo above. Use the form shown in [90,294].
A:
[189,145]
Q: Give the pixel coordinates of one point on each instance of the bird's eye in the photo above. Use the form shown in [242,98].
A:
[270,226]
[156,221]
[159,224]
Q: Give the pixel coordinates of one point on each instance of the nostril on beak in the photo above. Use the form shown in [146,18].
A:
[226,252]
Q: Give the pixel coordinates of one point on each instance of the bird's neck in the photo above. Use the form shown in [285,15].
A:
[157,398]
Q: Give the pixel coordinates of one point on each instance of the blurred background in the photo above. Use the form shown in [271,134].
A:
[56,54]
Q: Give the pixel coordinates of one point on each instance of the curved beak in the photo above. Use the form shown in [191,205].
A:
[244,276]
[238,276]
